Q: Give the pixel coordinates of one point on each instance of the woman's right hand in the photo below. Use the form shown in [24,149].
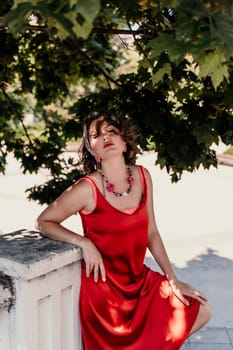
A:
[93,260]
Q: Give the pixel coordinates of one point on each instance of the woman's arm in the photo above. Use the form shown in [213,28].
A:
[158,251]
[67,204]
[75,198]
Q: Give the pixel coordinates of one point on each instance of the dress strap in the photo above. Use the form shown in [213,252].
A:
[94,190]
[142,173]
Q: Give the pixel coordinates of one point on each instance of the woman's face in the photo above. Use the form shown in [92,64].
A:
[105,139]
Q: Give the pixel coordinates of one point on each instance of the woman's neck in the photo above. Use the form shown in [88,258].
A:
[114,169]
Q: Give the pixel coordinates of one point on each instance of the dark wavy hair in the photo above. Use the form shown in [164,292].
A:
[127,131]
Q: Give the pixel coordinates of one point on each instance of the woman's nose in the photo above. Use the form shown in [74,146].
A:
[106,137]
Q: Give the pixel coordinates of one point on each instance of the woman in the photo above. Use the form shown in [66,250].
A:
[124,305]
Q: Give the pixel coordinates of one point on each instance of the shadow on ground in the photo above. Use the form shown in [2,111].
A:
[212,274]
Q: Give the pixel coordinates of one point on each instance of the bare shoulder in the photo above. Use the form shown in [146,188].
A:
[85,191]
[82,187]
[76,197]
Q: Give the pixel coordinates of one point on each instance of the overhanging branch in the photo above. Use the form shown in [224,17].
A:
[140,48]
[18,115]
[98,67]
[108,31]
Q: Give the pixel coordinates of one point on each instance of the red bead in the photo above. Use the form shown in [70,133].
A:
[109,187]
[131,180]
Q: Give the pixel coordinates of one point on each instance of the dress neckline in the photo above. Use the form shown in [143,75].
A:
[127,211]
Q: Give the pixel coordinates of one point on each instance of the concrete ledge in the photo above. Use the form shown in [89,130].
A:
[29,254]
[40,281]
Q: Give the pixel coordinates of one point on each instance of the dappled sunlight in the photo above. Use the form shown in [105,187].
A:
[22,234]
[178,325]
[26,246]
[213,335]
[211,274]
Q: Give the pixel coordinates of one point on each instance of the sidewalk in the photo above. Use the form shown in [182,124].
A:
[195,219]
[211,338]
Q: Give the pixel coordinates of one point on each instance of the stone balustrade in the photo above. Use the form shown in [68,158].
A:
[39,293]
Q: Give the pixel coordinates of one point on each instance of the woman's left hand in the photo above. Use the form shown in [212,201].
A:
[182,289]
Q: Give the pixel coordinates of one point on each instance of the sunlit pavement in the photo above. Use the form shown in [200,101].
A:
[211,338]
[195,219]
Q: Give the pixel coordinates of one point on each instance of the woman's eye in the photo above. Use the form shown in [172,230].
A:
[94,136]
[112,131]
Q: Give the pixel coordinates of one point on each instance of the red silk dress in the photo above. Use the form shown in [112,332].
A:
[135,308]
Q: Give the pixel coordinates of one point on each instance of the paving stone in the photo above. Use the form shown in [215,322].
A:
[186,346]
[230,334]
[211,335]
[211,347]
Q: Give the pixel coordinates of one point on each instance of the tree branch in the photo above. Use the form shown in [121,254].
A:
[100,69]
[18,115]
[140,48]
[149,33]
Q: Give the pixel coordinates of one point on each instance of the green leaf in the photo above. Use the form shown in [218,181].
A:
[84,30]
[170,3]
[20,2]
[88,9]
[129,8]
[205,134]
[219,75]
[214,64]
[208,63]
[80,30]
[63,30]
[73,2]
[223,31]
[167,43]
[16,17]
[144,63]
[56,18]
[159,75]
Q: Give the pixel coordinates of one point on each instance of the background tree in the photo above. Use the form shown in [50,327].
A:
[61,58]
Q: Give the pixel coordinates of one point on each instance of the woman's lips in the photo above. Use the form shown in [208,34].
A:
[108,144]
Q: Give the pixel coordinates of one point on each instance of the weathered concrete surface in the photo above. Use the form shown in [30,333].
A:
[26,246]
[39,290]
[6,292]
[25,253]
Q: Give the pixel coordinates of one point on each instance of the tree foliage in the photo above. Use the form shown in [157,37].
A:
[61,58]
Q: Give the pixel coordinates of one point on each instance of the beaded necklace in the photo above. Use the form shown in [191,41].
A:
[111,188]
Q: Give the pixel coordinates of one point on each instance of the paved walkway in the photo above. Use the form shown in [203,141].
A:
[195,220]
[211,338]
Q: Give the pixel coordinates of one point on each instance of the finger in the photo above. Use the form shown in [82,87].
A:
[182,298]
[102,272]
[197,294]
[200,295]
[89,268]
[185,301]
[96,272]
[203,300]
